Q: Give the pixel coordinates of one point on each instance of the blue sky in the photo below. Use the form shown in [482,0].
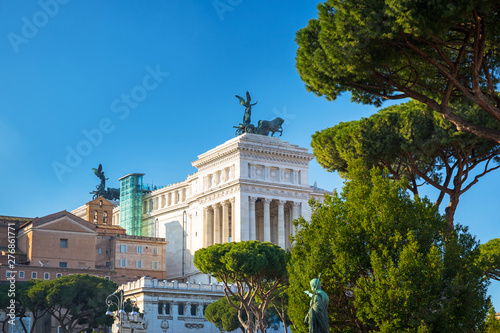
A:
[147,86]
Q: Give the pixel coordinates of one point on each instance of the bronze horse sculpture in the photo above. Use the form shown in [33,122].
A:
[270,126]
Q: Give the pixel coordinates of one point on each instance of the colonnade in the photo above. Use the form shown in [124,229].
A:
[270,220]
[267,220]
[218,223]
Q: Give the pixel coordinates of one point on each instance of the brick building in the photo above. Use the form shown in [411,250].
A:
[130,257]
[63,243]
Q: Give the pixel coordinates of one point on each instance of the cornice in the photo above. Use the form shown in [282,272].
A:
[275,192]
[289,160]
[216,161]
[274,185]
[255,144]
[219,194]
[202,161]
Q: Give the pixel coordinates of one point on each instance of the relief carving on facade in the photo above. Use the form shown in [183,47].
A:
[295,161]
[219,194]
[280,193]
[194,325]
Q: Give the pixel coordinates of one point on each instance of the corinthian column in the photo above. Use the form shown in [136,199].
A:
[225,222]
[210,227]
[233,227]
[205,226]
[295,214]
[253,235]
[217,223]
[267,220]
[281,223]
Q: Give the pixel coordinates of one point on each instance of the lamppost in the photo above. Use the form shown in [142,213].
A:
[118,299]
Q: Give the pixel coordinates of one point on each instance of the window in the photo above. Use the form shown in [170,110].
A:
[63,264]
[107,263]
[105,217]
[180,309]
[138,263]
[8,274]
[123,262]
[154,264]
[139,249]
[167,308]
[21,274]
[63,242]
[123,248]
[46,276]
[107,278]
[155,250]
[33,275]
[193,309]
[100,251]
[160,308]
[100,203]
[58,275]
[95,216]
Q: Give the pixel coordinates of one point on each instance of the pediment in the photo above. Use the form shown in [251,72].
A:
[67,224]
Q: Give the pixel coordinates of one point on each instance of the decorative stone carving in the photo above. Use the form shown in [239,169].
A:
[219,194]
[194,325]
[275,193]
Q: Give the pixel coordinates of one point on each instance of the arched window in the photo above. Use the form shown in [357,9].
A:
[105,217]
[95,216]
[100,203]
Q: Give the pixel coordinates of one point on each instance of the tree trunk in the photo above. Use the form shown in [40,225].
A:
[452,207]
[33,325]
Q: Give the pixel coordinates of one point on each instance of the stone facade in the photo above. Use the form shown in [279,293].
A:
[138,256]
[128,257]
[62,244]
[176,304]
[249,188]
[58,240]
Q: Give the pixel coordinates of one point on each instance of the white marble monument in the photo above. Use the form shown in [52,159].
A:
[249,188]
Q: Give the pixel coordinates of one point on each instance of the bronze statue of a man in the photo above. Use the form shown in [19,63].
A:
[317,317]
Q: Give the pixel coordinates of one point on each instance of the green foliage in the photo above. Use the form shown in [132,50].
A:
[73,300]
[237,260]
[435,52]
[489,260]
[255,268]
[223,315]
[415,143]
[492,325]
[35,305]
[388,262]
